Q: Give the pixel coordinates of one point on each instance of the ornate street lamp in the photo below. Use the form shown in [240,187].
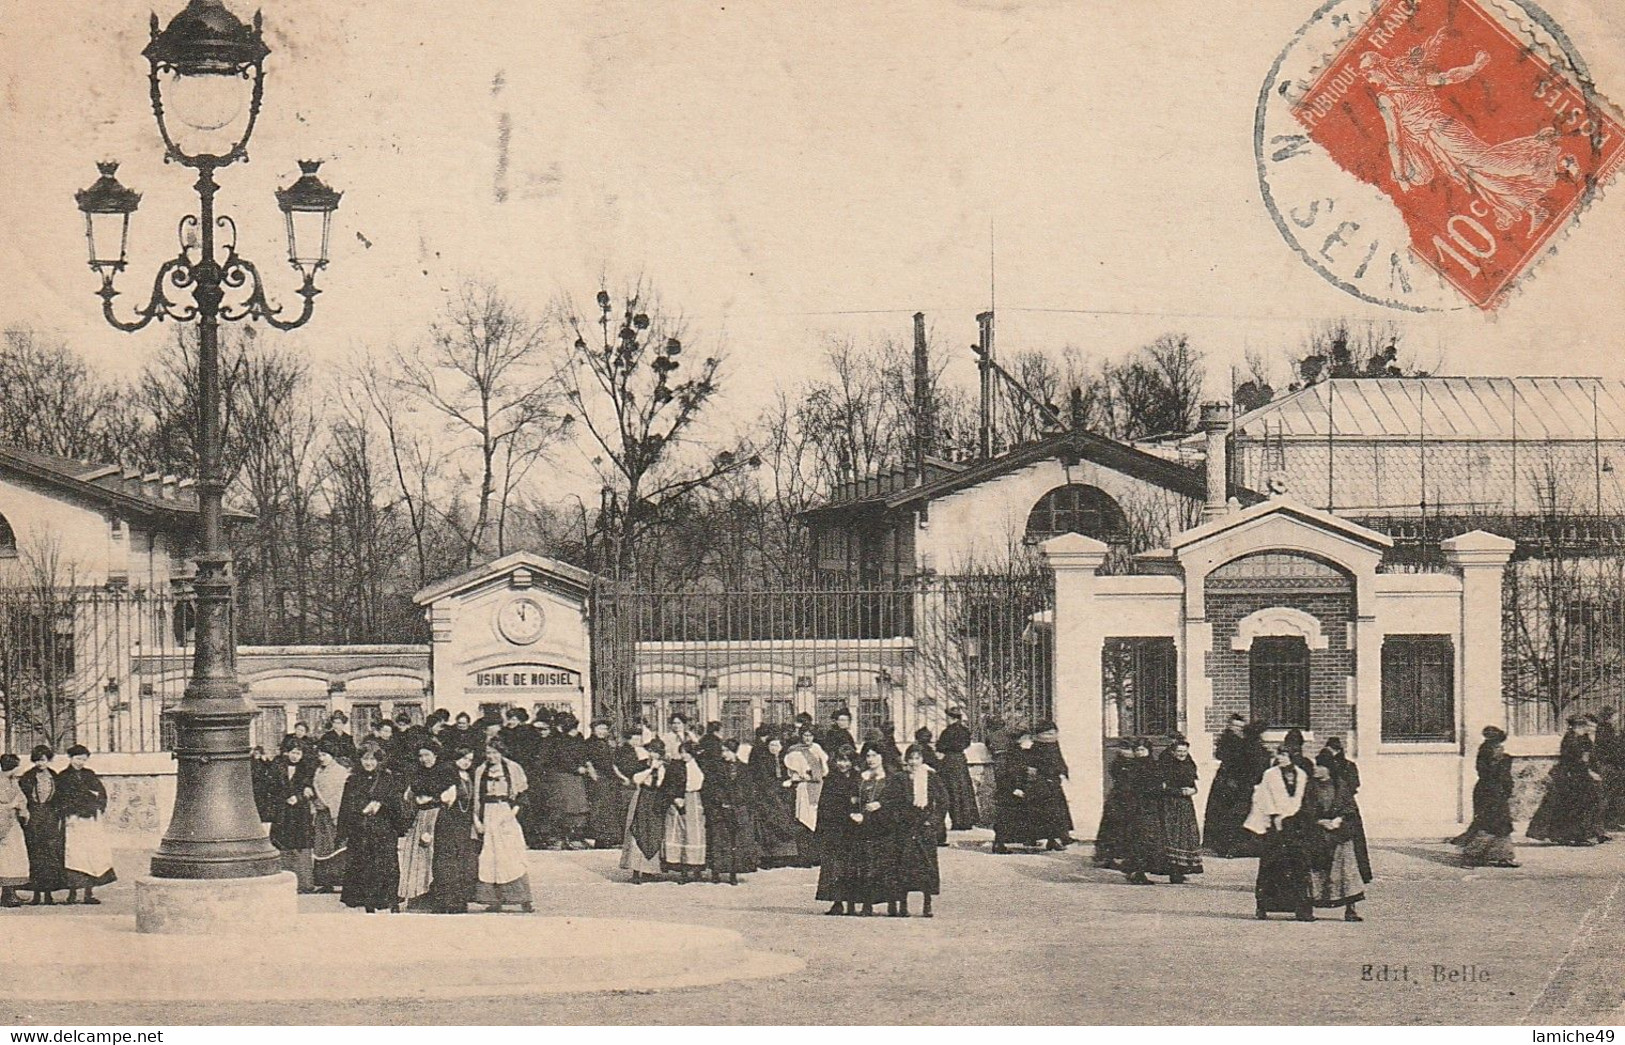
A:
[207,78]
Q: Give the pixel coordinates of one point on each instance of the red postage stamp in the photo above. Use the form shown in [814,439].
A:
[1485,145]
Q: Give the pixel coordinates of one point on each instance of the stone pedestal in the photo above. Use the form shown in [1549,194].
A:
[217,906]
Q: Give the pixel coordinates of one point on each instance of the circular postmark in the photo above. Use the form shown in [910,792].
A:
[1423,154]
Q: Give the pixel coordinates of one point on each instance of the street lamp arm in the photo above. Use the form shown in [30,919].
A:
[239,272]
[176,274]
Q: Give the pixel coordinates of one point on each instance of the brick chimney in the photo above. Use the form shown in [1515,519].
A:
[1216,425]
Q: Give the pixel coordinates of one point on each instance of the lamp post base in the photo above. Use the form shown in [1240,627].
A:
[244,907]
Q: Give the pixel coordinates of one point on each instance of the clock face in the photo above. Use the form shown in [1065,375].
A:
[521,621]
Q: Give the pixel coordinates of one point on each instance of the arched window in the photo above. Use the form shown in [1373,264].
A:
[8,540]
[1076,508]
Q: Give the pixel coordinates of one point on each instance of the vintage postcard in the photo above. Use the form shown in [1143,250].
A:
[940,513]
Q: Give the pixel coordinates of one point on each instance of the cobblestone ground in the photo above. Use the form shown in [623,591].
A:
[1048,939]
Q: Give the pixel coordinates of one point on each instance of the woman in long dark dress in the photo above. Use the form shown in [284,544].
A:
[1052,817]
[87,857]
[456,871]
[1111,837]
[606,813]
[371,821]
[1567,814]
[646,817]
[293,831]
[43,830]
[880,798]
[780,837]
[730,833]
[566,785]
[1242,758]
[1347,776]
[1334,878]
[1138,784]
[952,744]
[1487,842]
[1181,836]
[918,823]
[1014,813]
[836,834]
[1283,870]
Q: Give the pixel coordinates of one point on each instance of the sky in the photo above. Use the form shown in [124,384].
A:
[783,172]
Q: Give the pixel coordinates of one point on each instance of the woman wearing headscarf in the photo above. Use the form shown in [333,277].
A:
[456,868]
[87,856]
[502,875]
[43,829]
[1015,816]
[918,824]
[835,835]
[1346,774]
[1283,871]
[730,833]
[1242,759]
[1111,837]
[567,768]
[1181,834]
[606,816]
[424,787]
[292,788]
[806,764]
[779,835]
[1487,842]
[329,856]
[646,817]
[881,796]
[371,821]
[1293,742]
[683,849]
[13,844]
[1567,814]
[1334,874]
[1137,781]
[955,770]
[1053,818]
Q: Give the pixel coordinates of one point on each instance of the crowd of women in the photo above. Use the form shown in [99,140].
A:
[51,833]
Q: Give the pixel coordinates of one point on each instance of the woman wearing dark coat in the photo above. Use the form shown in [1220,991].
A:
[606,813]
[1015,814]
[835,835]
[918,823]
[1052,816]
[782,840]
[87,856]
[1567,814]
[1181,837]
[951,746]
[43,831]
[646,820]
[1111,837]
[1346,774]
[1138,783]
[1487,842]
[565,785]
[456,869]
[371,822]
[730,833]
[293,831]
[881,795]
[1328,845]
[1242,759]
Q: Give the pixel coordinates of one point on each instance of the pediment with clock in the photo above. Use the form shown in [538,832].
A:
[512,632]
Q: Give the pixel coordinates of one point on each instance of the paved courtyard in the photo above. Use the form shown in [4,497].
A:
[1036,939]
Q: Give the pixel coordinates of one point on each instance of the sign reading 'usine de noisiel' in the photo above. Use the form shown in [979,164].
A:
[527,676]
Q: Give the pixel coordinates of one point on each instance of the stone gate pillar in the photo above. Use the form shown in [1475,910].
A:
[1481,559]
[1079,704]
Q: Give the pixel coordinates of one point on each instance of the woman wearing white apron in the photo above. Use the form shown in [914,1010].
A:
[503,876]
[13,845]
[89,857]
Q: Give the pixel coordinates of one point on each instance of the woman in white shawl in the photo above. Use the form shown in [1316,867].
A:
[504,878]
[683,848]
[807,765]
[330,857]
[1283,868]
[13,846]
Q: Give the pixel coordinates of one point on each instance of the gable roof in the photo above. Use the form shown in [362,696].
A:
[1479,409]
[573,577]
[1087,446]
[1283,506]
[144,495]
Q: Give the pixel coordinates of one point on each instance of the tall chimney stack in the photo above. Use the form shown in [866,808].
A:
[1216,425]
[925,434]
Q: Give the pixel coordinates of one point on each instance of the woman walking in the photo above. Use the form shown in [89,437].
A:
[1567,814]
[683,848]
[423,790]
[1053,819]
[456,870]
[1242,760]
[955,770]
[1283,873]
[328,855]
[646,817]
[1181,837]
[87,856]
[13,844]
[730,834]
[779,835]
[371,821]
[1138,784]
[918,823]
[1015,815]
[1487,842]
[1346,775]
[1334,873]
[503,877]
[835,836]
[293,830]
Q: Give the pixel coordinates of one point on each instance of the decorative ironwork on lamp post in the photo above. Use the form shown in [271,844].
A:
[207,78]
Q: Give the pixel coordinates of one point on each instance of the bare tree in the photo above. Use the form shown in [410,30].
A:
[485,370]
[50,402]
[1344,348]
